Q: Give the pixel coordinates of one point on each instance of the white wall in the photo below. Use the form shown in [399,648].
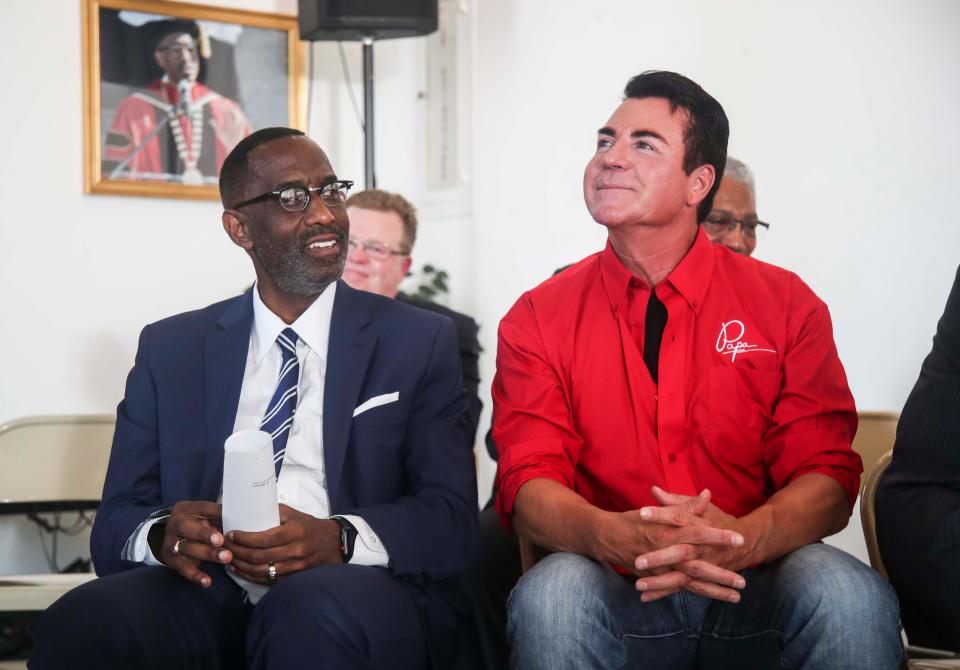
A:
[846,111]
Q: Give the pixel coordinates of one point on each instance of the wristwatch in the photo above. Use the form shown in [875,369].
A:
[348,538]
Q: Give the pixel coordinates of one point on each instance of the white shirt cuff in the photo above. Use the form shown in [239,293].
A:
[368,549]
[138,549]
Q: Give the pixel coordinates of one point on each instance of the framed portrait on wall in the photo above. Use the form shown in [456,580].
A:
[170,88]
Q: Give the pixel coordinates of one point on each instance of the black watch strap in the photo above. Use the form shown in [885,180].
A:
[348,538]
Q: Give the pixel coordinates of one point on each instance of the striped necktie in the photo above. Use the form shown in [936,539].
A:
[283,404]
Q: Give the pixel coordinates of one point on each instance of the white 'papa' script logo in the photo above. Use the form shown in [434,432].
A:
[729,341]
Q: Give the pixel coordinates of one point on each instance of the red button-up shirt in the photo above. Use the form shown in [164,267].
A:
[751,391]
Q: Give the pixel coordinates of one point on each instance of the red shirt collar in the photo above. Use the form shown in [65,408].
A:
[690,278]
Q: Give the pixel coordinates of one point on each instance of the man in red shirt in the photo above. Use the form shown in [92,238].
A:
[675,424]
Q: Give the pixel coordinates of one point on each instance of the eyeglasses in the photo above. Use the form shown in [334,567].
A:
[181,50]
[724,224]
[297,198]
[376,250]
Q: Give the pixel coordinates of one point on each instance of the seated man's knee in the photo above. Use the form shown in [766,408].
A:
[556,597]
[72,632]
[837,591]
[340,616]
[302,602]
[64,623]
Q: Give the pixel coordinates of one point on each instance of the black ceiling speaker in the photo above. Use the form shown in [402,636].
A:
[366,21]
[344,20]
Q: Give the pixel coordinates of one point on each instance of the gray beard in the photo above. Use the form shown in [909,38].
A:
[293,271]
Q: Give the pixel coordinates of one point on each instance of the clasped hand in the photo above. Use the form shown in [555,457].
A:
[195,528]
[691,545]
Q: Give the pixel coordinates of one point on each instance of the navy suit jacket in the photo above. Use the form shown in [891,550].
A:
[406,467]
[467,331]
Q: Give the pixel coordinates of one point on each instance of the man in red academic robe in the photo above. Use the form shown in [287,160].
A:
[177,129]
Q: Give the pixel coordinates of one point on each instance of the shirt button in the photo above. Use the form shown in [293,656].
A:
[295,429]
[672,458]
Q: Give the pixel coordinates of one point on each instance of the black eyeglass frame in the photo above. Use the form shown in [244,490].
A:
[345,184]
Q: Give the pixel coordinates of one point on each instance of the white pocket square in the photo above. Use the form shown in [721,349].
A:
[376,401]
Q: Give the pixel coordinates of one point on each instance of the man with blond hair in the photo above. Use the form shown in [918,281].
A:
[383,228]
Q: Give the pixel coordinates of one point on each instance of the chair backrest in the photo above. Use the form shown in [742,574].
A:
[51,459]
[876,433]
[868,512]
[530,553]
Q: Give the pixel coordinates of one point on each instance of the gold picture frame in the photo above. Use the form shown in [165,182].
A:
[155,138]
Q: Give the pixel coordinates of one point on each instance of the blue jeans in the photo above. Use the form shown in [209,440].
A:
[816,608]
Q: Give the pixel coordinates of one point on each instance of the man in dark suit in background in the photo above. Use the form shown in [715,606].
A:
[918,502]
[377,484]
[383,228]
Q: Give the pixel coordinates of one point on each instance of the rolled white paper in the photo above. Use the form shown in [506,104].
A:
[249,483]
[249,491]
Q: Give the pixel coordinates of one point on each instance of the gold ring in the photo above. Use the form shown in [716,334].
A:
[176,547]
[272,572]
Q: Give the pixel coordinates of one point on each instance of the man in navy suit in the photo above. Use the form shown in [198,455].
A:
[377,486]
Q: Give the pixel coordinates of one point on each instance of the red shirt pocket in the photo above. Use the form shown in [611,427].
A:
[740,404]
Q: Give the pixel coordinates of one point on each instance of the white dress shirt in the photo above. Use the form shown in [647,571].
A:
[302,482]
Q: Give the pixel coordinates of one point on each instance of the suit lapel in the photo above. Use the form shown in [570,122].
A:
[348,355]
[224,361]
